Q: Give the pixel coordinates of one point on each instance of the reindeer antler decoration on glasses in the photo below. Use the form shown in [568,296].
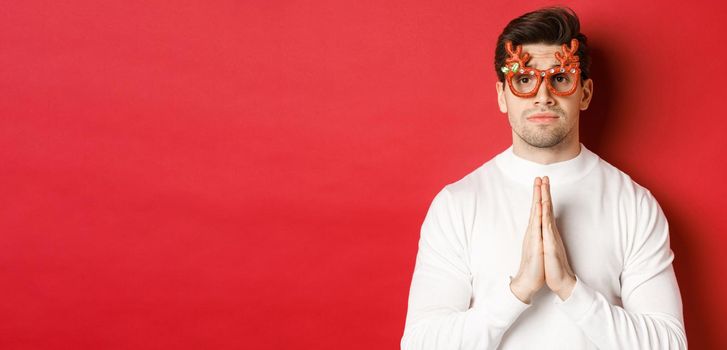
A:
[525,81]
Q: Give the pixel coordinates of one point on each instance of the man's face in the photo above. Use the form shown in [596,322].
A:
[565,110]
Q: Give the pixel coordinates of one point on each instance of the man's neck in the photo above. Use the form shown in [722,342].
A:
[568,149]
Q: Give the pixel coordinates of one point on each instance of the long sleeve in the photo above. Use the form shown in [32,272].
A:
[651,316]
[439,314]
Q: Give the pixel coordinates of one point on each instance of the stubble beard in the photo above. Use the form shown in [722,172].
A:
[542,135]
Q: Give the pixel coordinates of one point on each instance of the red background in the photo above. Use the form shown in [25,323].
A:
[226,174]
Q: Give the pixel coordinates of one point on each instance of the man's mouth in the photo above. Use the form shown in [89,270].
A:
[542,118]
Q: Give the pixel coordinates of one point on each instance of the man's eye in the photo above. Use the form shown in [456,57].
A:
[560,78]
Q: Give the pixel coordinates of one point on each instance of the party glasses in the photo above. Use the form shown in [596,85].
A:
[525,81]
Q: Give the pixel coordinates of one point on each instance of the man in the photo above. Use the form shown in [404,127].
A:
[545,246]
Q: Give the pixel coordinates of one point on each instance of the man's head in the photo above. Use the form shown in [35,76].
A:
[541,35]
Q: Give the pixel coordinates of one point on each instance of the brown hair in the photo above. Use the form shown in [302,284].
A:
[548,25]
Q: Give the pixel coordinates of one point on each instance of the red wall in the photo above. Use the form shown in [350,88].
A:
[226,175]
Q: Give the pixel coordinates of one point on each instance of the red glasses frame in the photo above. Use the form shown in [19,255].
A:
[515,64]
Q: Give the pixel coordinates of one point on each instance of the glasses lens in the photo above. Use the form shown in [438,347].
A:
[524,83]
[563,82]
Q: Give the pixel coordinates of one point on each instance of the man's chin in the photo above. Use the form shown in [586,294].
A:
[548,142]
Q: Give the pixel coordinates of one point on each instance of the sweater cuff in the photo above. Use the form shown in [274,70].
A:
[503,306]
[579,303]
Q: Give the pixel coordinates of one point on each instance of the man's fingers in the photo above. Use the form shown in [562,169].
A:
[537,218]
[546,200]
[548,221]
[536,200]
[550,196]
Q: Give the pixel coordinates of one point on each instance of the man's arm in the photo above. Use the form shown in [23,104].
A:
[651,316]
[439,314]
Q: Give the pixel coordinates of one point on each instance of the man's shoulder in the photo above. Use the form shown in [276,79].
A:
[613,176]
[474,180]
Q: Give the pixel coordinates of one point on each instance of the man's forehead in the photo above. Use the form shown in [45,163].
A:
[542,63]
[542,55]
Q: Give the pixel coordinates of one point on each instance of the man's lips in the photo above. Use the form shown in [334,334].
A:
[542,117]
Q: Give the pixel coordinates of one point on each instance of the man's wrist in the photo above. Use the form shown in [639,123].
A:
[523,294]
[567,289]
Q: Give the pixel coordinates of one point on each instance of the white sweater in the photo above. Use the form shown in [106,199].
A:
[617,239]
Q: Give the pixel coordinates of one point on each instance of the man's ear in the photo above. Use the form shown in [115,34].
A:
[587,94]
[500,86]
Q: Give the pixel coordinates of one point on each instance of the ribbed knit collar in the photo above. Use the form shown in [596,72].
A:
[524,171]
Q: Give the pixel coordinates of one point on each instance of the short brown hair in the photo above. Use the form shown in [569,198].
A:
[548,25]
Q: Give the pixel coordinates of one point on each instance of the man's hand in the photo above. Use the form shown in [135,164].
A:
[558,274]
[543,260]
[531,276]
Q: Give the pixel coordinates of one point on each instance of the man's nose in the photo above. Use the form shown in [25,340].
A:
[544,97]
